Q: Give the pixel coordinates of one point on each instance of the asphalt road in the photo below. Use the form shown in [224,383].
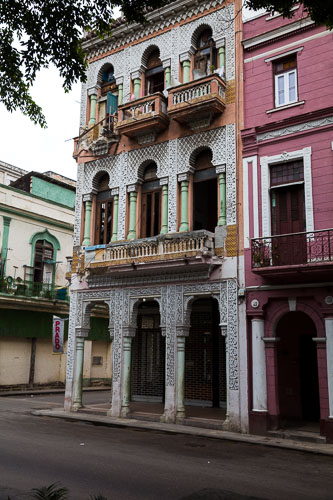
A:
[122,463]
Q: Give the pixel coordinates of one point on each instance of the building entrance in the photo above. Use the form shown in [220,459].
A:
[148,356]
[297,369]
[205,370]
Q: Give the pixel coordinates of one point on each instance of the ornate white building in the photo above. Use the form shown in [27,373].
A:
[157,228]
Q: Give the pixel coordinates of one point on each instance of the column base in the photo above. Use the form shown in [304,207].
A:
[258,422]
[184,228]
[168,417]
[180,415]
[125,410]
[77,406]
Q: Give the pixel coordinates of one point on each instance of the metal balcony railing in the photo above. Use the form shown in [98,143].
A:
[311,247]
[19,287]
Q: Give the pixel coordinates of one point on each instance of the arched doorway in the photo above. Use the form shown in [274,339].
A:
[205,214]
[298,387]
[148,356]
[205,368]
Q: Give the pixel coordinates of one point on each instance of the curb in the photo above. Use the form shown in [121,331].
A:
[43,392]
[319,449]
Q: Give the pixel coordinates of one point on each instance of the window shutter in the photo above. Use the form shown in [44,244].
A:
[112,103]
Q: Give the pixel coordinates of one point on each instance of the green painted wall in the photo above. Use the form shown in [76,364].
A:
[27,324]
[52,192]
[99,329]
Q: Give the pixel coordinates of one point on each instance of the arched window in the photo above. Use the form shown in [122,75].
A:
[108,99]
[104,211]
[43,268]
[151,202]
[154,73]
[205,55]
[205,206]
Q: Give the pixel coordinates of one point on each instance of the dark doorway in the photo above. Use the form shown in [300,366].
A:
[148,355]
[205,371]
[297,368]
[205,205]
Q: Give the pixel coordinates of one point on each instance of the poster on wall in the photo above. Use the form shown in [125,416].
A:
[58,334]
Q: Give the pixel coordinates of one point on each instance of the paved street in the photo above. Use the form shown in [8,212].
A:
[132,464]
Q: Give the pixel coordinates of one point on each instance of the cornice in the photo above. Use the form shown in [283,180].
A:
[282,31]
[160,19]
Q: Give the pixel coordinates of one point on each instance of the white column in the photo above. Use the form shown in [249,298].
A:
[329,354]
[258,366]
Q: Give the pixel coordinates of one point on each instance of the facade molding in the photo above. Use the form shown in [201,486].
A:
[294,129]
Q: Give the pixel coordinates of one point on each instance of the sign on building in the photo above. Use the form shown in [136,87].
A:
[58,334]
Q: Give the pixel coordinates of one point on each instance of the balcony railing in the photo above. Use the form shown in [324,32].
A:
[18,287]
[195,90]
[294,249]
[105,129]
[157,248]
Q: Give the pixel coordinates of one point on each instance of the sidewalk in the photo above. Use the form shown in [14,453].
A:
[318,448]
[25,391]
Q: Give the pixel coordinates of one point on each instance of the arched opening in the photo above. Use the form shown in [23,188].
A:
[148,356]
[43,269]
[150,202]
[205,357]
[108,99]
[205,206]
[205,54]
[298,387]
[154,76]
[104,211]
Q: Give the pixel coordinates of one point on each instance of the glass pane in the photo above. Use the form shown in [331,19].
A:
[292,86]
[281,97]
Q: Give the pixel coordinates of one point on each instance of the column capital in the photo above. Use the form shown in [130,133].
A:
[319,340]
[119,80]
[93,90]
[137,74]
[115,191]
[6,220]
[186,56]
[220,43]
[166,63]
[182,331]
[164,181]
[132,188]
[183,177]
[87,197]
[220,169]
[129,331]
[81,332]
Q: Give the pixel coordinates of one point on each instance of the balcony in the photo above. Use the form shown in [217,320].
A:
[97,138]
[297,255]
[20,288]
[143,117]
[196,103]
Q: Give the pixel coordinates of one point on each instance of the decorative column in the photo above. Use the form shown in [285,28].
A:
[184,181]
[329,358]
[259,384]
[167,71]
[87,220]
[4,245]
[132,190]
[92,93]
[120,84]
[220,170]
[164,184]
[221,52]
[126,382]
[115,193]
[185,60]
[136,77]
[182,333]
[79,355]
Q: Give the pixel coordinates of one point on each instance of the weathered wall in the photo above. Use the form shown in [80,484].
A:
[52,192]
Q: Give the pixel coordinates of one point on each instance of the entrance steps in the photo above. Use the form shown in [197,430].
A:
[298,435]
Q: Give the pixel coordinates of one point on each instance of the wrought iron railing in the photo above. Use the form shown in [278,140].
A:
[292,249]
[19,287]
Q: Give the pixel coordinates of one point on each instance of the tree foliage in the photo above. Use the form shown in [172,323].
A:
[321,11]
[35,33]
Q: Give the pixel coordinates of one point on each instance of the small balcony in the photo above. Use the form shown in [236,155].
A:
[196,103]
[143,116]
[22,288]
[299,255]
[98,138]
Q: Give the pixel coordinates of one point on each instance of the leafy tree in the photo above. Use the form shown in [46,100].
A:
[35,33]
[320,11]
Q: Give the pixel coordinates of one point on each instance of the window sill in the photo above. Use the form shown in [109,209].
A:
[286,106]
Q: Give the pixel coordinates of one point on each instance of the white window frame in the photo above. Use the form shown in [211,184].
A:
[265,162]
[287,99]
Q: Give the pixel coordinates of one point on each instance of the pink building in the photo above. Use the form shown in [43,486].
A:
[288,220]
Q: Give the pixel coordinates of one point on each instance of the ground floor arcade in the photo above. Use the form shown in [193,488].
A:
[174,347]
[290,341]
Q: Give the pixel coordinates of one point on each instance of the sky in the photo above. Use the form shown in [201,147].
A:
[27,146]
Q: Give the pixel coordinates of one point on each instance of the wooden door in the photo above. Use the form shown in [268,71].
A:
[288,218]
[151,214]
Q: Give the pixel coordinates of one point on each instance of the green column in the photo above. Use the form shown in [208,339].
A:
[168,76]
[126,385]
[115,218]
[222,58]
[183,210]
[186,71]
[111,332]
[137,86]
[222,195]
[164,228]
[120,94]
[131,232]
[93,100]
[77,403]
[87,222]
[4,246]
[180,376]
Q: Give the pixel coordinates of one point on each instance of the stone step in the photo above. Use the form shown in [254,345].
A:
[298,435]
